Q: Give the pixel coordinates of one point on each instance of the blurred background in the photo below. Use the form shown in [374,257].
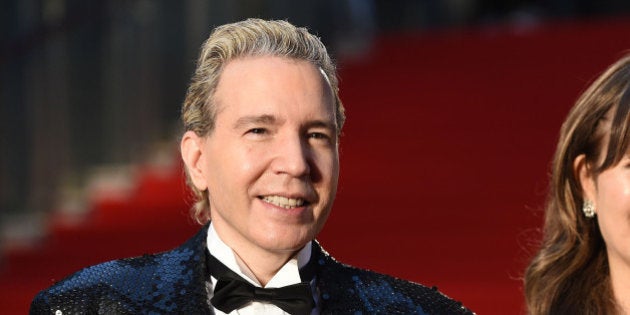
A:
[453,112]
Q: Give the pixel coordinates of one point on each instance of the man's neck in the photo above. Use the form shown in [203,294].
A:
[263,264]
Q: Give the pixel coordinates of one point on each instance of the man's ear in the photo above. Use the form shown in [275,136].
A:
[192,152]
[582,171]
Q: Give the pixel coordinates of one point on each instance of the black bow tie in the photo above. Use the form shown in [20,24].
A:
[233,292]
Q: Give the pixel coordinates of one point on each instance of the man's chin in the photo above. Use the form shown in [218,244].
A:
[288,241]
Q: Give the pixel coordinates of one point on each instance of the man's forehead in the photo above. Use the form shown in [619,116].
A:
[244,83]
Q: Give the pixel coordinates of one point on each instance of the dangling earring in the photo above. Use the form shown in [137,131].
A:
[589,209]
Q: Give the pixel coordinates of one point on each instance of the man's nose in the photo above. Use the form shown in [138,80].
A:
[293,157]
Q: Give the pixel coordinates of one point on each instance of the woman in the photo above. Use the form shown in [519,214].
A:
[583,265]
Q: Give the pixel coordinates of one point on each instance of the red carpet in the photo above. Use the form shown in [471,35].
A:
[444,166]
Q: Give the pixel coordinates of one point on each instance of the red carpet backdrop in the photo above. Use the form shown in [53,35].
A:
[444,166]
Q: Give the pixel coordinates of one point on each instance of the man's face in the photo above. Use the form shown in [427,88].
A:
[271,164]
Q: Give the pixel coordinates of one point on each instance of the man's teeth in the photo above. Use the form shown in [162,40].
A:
[284,202]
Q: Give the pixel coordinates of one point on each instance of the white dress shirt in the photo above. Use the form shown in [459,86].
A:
[287,275]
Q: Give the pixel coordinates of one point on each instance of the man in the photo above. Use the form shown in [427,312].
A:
[262,118]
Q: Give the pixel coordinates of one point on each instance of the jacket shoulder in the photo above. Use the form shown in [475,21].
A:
[347,289]
[150,283]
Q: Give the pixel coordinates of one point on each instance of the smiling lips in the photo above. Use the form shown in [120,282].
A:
[284,202]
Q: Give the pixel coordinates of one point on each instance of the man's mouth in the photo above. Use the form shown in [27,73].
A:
[284,202]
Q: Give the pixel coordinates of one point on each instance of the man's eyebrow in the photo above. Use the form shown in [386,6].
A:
[267,119]
[255,119]
[322,124]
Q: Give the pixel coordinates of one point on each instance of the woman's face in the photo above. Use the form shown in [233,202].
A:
[610,193]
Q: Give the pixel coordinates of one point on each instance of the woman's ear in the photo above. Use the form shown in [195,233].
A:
[582,171]
[192,152]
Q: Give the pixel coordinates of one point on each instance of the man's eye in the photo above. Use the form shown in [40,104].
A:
[257,131]
[318,135]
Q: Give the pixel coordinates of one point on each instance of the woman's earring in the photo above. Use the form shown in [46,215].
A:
[589,209]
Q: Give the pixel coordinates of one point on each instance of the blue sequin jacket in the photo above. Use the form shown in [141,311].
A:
[177,282]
